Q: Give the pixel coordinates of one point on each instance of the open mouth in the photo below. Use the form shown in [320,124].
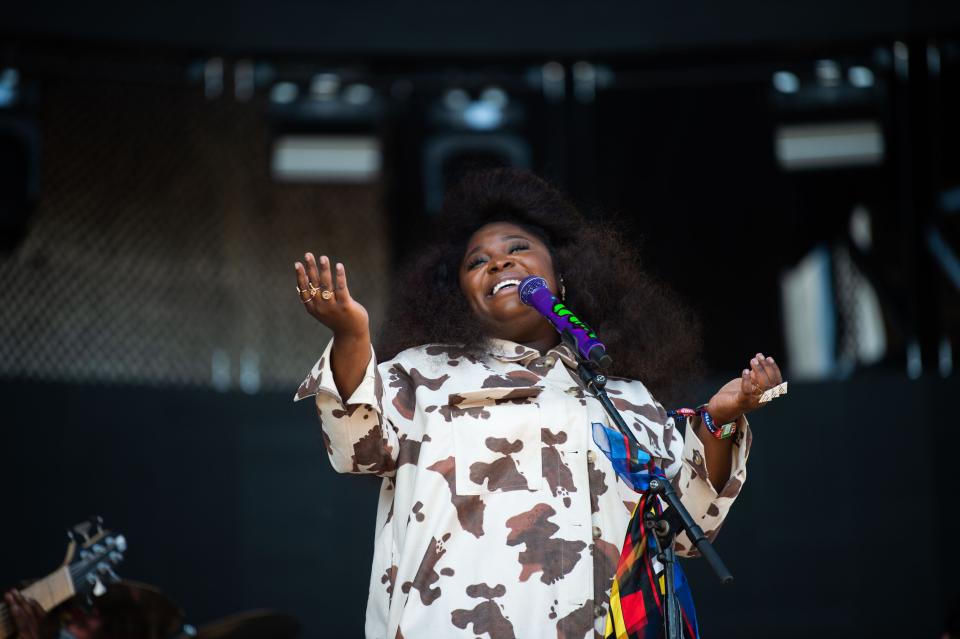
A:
[503,284]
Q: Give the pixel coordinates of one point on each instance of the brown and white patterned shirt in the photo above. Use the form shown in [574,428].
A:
[498,515]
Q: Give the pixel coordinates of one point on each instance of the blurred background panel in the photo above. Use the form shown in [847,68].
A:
[162,167]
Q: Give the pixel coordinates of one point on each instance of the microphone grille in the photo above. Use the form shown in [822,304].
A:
[530,285]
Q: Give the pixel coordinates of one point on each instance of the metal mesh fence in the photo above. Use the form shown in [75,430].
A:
[162,253]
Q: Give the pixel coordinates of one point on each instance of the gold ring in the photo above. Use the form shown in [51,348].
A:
[300,293]
[326,294]
[313,290]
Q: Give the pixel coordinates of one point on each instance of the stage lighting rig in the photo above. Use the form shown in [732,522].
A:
[471,127]
[828,113]
[325,121]
[490,109]
[828,84]
[326,127]
[326,99]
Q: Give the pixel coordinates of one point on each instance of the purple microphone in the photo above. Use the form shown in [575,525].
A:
[533,291]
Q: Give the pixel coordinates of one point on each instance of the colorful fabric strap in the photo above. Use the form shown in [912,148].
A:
[638,590]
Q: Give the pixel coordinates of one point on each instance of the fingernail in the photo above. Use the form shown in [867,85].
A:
[339,266]
[770,359]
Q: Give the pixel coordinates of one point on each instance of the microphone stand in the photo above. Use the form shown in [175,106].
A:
[666,526]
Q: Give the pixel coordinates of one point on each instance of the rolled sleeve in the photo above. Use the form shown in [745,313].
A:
[357,437]
[708,507]
[320,382]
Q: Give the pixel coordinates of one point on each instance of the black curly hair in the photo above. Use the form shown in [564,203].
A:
[649,333]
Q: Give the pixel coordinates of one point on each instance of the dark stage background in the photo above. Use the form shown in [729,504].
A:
[791,169]
[846,527]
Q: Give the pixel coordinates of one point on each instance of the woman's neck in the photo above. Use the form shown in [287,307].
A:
[543,344]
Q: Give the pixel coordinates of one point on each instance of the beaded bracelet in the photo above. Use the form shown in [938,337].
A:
[720,432]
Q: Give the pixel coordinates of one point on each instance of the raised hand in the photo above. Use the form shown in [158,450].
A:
[742,395]
[326,297]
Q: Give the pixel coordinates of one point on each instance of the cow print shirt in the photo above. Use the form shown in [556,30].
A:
[498,515]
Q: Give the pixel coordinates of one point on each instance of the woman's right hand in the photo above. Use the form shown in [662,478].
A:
[342,314]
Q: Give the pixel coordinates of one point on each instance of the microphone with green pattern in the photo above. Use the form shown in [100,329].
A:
[533,291]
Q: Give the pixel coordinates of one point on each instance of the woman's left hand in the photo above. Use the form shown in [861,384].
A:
[28,617]
[742,395]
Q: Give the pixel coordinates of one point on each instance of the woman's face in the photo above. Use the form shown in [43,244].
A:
[498,256]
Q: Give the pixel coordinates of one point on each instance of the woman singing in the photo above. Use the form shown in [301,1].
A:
[498,514]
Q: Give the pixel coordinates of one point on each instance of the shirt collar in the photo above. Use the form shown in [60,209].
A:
[507,351]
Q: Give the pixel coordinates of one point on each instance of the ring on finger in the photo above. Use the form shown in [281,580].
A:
[325,294]
[303,299]
[313,290]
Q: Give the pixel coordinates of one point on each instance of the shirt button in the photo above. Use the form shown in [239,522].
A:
[549,361]
[591,456]
[596,532]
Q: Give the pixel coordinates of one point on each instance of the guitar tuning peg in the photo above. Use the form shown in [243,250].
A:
[111,576]
[82,531]
[121,543]
[98,587]
[104,569]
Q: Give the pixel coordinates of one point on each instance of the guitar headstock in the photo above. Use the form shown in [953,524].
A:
[91,557]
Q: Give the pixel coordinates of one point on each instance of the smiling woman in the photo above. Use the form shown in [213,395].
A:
[499,256]
[600,272]
[498,510]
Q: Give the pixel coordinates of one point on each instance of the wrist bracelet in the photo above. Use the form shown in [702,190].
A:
[720,432]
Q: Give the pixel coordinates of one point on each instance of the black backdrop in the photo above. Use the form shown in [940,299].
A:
[845,527]
[494,27]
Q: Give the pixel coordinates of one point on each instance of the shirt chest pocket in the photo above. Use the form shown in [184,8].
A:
[496,440]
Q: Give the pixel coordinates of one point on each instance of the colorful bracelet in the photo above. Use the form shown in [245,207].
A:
[720,432]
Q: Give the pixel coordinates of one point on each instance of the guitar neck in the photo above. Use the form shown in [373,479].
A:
[49,592]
